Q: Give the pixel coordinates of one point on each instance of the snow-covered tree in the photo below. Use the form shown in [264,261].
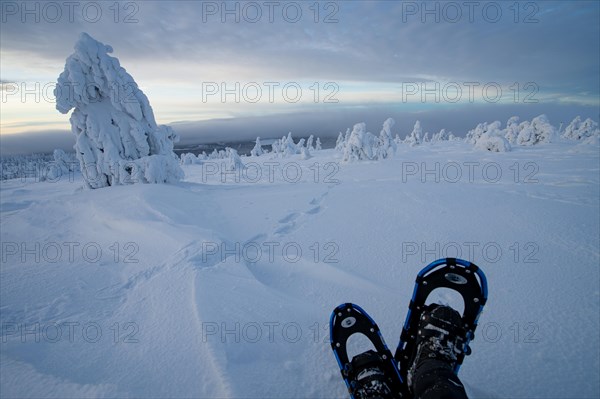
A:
[276,147]
[214,154]
[117,138]
[577,130]
[572,129]
[538,131]
[61,160]
[426,137]
[234,162]
[288,146]
[257,150]
[493,142]
[309,142]
[493,139]
[489,137]
[474,134]
[360,145]
[512,129]
[318,145]
[188,158]
[415,137]
[300,145]
[589,128]
[387,146]
[305,153]
[341,141]
[440,136]
[61,166]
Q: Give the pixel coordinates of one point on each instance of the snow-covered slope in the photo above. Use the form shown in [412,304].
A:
[223,289]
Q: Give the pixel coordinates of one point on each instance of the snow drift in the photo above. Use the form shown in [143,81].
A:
[118,140]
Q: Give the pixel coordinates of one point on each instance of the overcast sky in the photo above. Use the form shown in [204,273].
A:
[312,58]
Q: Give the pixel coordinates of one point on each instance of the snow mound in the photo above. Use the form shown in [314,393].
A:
[118,140]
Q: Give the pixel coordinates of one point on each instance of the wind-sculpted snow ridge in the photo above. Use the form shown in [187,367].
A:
[118,140]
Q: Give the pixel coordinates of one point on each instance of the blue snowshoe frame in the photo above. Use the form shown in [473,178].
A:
[459,275]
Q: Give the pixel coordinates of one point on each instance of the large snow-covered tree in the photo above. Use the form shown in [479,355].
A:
[117,138]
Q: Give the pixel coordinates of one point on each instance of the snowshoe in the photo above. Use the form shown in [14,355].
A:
[371,374]
[456,274]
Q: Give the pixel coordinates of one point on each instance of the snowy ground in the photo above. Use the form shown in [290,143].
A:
[198,289]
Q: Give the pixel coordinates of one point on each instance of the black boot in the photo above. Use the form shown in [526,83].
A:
[440,341]
[366,370]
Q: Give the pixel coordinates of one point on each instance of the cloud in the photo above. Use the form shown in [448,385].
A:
[377,41]
[171,48]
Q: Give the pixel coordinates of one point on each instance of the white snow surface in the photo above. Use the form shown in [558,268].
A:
[152,291]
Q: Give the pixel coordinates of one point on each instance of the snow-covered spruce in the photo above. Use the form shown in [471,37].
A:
[118,140]
[287,147]
[539,130]
[62,166]
[360,144]
[493,142]
[309,143]
[577,130]
[188,158]
[440,136]
[490,138]
[276,148]
[318,145]
[474,134]
[234,162]
[387,146]
[415,137]
[512,129]
[305,153]
[341,142]
[257,150]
